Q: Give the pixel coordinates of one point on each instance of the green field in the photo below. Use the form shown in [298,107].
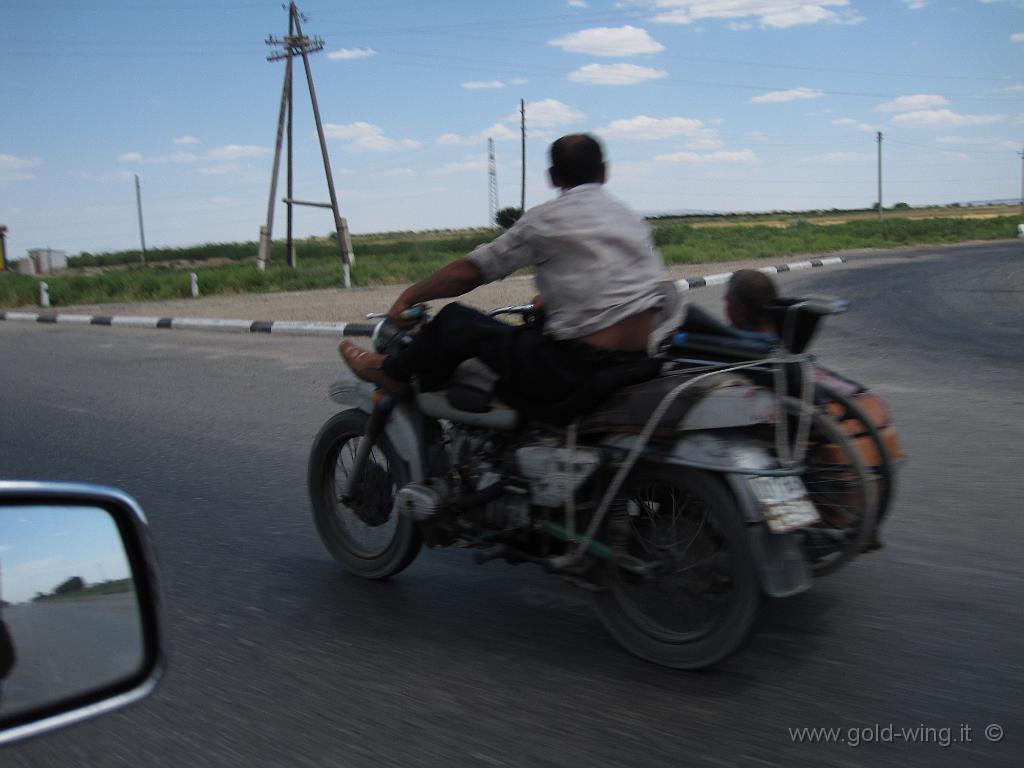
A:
[401,257]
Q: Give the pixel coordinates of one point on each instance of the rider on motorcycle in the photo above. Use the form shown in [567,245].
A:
[600,279]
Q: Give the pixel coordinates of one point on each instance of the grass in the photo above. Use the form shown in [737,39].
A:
[686,244]
[400,257]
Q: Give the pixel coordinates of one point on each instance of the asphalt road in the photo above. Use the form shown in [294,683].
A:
[280,658]
[68,647]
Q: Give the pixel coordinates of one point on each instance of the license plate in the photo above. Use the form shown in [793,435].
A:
[784,503]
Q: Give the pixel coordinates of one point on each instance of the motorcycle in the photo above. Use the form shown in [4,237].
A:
[678,502]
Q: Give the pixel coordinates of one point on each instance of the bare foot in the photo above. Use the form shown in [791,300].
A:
[367,366]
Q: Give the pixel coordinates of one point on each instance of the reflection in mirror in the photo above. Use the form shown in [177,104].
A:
[69,616]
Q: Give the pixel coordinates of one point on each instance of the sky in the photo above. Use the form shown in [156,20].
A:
[710,105]
[42,547]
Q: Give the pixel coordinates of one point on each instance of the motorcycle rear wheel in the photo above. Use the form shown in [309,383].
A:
[701,607]
[368,538]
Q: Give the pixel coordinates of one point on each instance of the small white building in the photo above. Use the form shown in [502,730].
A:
[46,260]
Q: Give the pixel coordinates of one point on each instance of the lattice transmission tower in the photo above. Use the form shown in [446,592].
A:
[492,188]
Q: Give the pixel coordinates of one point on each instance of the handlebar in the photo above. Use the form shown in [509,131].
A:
[515,309]
[411,314]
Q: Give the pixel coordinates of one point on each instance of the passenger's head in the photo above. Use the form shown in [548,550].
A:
[576,159]
[746,299]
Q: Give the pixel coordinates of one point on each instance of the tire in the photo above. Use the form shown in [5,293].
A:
[842,489]
[695,614]
[885,472]
[370,540]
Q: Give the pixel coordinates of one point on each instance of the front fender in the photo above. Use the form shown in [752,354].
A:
[404,428]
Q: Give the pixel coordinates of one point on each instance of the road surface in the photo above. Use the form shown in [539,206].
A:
[280,658]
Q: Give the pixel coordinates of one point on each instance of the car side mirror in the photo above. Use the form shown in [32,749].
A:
[80,627]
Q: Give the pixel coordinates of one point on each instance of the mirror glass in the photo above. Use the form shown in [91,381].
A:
[69,617]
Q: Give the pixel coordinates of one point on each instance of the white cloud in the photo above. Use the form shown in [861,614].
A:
[226,152]
[739,26]
[344,54]
[186,141]
[478,85]
[913,103]
[849,121]
[793,94]
[959,156]
[578,3]
[615,74]
[915,5]
[546,113]
[1017,37]
[366,137]
[778,14]
[741,157]
[609,41]
[938,117]
[644,128]
[235,152]
[14,168]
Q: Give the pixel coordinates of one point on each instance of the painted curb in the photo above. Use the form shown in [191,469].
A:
[324,328]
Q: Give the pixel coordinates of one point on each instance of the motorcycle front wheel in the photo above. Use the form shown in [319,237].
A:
[364,534]
[700,602]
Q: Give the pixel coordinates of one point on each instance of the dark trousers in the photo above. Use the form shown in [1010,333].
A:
[548,379]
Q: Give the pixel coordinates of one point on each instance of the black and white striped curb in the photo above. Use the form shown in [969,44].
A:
[723,277]
[291,327]
[313,328]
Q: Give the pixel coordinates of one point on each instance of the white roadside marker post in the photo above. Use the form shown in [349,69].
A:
[193,284]
[44,295]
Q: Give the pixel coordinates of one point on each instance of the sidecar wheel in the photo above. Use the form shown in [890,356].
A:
[841,488]
[702,602]
[367,538]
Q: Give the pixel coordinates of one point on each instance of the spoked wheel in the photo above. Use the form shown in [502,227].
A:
[700,600]
[362,533]
[878,452]
[842,489]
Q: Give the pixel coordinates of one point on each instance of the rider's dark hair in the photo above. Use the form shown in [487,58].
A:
[752,292]
[577,159]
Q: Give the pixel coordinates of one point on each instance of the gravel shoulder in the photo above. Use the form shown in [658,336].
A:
[352,304]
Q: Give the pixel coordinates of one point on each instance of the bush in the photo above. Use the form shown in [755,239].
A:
[506,217]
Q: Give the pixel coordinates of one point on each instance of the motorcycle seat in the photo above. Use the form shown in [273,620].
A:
[704,334]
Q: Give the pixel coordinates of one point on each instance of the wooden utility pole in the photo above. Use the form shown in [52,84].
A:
[297,44]
[3,248]
[138,203]
[289,240]
[879,175]
[522,142]
[1021,153]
